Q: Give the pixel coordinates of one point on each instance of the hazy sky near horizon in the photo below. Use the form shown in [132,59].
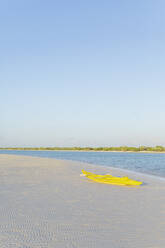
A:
[82,73]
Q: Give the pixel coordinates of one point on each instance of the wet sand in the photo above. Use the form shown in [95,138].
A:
[44,203]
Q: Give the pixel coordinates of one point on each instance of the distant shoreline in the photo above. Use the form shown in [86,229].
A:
[133,149]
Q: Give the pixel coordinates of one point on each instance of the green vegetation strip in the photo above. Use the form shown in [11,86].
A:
[115,149]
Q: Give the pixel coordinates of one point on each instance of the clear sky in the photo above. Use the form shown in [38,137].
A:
[82,73]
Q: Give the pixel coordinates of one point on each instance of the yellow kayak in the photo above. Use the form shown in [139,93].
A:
[111,179]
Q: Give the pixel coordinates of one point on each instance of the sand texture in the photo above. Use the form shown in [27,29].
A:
[44,203]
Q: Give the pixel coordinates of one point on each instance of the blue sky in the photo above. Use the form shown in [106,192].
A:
[82,73]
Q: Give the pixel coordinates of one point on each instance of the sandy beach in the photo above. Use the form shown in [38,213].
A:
[45,203]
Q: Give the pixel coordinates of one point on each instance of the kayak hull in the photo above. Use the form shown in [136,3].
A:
[109,179]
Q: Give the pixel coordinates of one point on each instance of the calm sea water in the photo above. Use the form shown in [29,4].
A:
[149,163]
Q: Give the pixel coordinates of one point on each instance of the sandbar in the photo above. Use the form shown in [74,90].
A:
[45,203]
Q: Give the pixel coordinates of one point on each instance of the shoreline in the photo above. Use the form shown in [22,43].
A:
[98,167]
[123,170]
[154,152]
[148,173]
